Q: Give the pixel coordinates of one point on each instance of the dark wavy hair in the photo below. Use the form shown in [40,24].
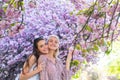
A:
[35,52]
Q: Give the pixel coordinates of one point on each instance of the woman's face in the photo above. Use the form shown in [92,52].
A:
[42,47]
[53,43]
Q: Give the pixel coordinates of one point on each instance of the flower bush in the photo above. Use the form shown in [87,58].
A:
[89,26]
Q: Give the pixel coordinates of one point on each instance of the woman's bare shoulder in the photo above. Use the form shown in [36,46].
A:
[32,58]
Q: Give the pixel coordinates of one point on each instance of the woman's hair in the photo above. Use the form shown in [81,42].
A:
[35,52]
[57,51]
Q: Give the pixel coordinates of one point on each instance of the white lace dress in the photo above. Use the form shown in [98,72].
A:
[35,77]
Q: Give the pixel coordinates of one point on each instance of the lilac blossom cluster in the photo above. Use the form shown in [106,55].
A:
[63,18]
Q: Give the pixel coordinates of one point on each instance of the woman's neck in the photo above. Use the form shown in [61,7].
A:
[51,53]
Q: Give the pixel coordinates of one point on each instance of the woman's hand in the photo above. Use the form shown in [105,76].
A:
[40,67]
[71,49]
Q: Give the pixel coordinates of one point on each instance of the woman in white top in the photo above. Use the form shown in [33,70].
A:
[31,67]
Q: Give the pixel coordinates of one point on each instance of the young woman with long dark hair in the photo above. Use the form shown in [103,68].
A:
[31,67]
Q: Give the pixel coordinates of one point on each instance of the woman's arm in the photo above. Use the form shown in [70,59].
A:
[43,74]
[68,61]
[26,75]
[29,74]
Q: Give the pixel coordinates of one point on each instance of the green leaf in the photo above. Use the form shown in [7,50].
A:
[114,68]
[85,62]
[107,52]
[101,14]
[77,74]
[89,11]
[15,5]
[106,25]
[80,12]
[71,13]
[11,1]
[96,47]
[84,51]
[12,24]
[114,2]
[22,3]
[74,63]
[108,43]
[88,28]
[98,43]
[5,7]
[78,47]
[99,8]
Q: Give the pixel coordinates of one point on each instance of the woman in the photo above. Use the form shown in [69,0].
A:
[54,69]
[31,67]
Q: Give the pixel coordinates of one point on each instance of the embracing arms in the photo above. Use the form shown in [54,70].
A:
[27,73]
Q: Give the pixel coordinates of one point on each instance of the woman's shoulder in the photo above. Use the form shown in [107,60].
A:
[32,58]
[42,58]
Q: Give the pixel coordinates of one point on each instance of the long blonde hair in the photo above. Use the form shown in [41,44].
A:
[57,51]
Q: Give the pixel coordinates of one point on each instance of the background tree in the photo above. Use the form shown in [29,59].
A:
[89,26]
